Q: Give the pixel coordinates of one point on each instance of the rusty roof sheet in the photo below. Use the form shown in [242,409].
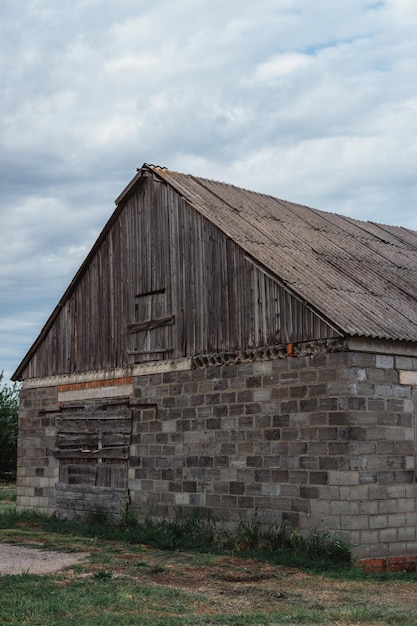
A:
[361,275]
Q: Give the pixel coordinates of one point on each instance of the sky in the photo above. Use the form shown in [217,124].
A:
[309,101]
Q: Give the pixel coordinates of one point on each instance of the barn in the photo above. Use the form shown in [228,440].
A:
[225,350]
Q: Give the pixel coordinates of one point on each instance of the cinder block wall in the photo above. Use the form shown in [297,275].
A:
[37,469]
[324,441]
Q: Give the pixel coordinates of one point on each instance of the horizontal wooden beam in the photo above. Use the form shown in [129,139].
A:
[150,324]
[162,351]
[154,292]
[120,452]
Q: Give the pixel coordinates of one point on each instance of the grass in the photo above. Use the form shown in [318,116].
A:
[7,496]
[278,544]
[28,600]
[257,575]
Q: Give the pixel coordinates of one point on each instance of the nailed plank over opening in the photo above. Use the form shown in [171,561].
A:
[90,440]
[150,324]
[162,351]
[73,426]
[154,292]
[120,452]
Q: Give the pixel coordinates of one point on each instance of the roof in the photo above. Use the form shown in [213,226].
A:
[361,275]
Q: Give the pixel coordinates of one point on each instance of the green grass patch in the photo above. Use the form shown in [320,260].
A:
[7,496]
[7,492]
[46,600]
[103,599]
[248,578]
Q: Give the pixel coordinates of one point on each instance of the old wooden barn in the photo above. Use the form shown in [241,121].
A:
[226,350]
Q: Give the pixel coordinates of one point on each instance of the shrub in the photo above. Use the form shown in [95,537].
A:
[9,410]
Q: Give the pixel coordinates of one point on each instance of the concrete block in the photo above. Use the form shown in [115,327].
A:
[411,519]
[396,433]
[24,501]
[359,374]
[411,490]
[400,391]
[197,499]
[366,478]
[404,362]
[406,505]
[169,426]
[343,478]
[376,549]
[407,534]
[290,491]
[411,547]
[388,535]
[320,507]
[191,437]
[369,507]
[262,367]
[329,493]
[408,378]
[160,486]
[354,522]
[182,499]
[269,489]
[387,506]
[342,389]
[397,548]
[238,462]
[263,395]
[396,520]
[369,537]
[378,521]
[384,361]
[228,475]
[384,391]
[351,493]
[396,491]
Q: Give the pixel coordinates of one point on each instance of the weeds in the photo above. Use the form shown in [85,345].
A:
[195,530]
[7,492]
[137,584]
[7,496]
[199,532]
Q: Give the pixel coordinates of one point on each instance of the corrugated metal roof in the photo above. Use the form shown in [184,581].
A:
[360,275]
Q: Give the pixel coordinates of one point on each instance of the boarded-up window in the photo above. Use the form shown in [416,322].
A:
[151,336]
[92,446]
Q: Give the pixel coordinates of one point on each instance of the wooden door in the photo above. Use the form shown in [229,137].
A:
[92,445]
[151,333]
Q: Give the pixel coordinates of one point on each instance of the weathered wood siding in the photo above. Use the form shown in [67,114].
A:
[166,283]
[92,446]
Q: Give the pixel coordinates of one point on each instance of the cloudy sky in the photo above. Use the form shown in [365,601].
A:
[310,101]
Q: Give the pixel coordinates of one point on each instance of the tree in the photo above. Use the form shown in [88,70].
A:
[9,410]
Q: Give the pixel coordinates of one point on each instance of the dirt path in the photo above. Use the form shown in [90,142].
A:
[18,560]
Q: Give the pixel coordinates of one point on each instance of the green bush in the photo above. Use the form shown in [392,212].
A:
[9,410]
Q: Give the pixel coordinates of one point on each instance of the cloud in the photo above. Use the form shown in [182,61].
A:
[310,101]
[282,66]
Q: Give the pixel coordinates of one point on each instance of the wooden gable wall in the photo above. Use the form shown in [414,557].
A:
[166,283]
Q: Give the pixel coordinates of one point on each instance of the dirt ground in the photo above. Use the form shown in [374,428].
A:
[19,560]
[228,584]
